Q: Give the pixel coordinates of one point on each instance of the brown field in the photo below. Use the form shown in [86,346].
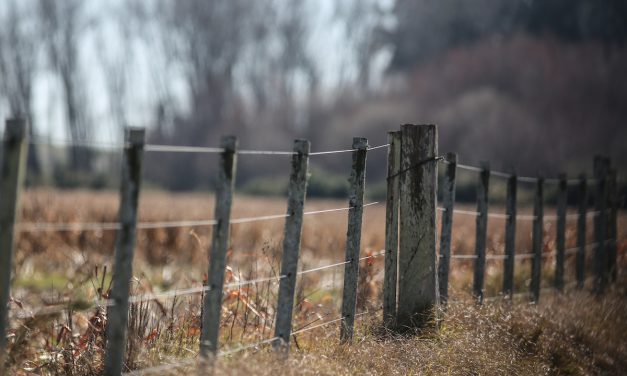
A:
[562,335]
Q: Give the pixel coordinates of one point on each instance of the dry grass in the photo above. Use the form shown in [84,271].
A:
[562,335]
[573,334]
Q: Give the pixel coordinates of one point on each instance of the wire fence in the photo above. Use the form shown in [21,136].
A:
[295,219]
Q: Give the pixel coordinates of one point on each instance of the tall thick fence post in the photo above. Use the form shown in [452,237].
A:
[448,202]
[391,229]
[212,304]
[291,244]
[481,230]
[580,263]
[117,313]
[13,170]
[562,197]
[418,283]
[353,238]
[510,236]
[537,240]
[600,224]
[612,225]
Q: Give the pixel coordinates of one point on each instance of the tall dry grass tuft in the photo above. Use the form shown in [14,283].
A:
[570,334]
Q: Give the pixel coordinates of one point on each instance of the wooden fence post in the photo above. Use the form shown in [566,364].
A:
[580,266]
[391,229]
[418,283]
[600,224]
[481,230]
[612,226]
[212,303]
[117,313]
[538,240]
[15,151]
[448,202]
[562,196]
[353,238]
[510,236]
[291,244]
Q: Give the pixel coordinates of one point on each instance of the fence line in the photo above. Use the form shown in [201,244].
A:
[416,210]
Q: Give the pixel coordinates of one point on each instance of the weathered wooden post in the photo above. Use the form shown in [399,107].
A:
[580,263]
[291,244]
[448,202]
[562,196]
[612,226]
[418,283]
[538,240]
[212,304]
[390,280]
[353,238]
[510,236]
[117,313]
[580,266]
[13,169]
[600,224]
[481,231]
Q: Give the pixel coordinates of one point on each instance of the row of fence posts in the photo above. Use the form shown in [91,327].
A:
[415,280]
[413,287]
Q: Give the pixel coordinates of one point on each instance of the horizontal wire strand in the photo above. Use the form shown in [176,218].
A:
[161,368]
[246,347]
[188,362]
[182,149]
[189,291]
[381,253]
[104,226]
[302,272]
[161,148]
[318,326]
[523,179]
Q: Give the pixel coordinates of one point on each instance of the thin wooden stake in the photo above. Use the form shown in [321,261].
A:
[390,280]
[418,294]
[353,238]
[600,224]
[291,244]
[212,304]
[117,314]
[481,230]
[562,196]
[612,227]
[510,236]
[448,202]
[13,169]
[538,235]
[580,266]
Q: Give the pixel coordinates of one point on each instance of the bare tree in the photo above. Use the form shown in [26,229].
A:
[18,65]
[362,22]
[295,64]
[116,58]
[62,24]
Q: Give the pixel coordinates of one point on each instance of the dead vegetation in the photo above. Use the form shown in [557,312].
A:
[570,334]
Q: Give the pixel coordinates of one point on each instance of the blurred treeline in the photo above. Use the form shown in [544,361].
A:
[535,85]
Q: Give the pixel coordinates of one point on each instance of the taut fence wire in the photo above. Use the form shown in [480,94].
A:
[409,205]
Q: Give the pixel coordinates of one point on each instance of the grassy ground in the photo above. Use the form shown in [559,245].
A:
[573,334]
